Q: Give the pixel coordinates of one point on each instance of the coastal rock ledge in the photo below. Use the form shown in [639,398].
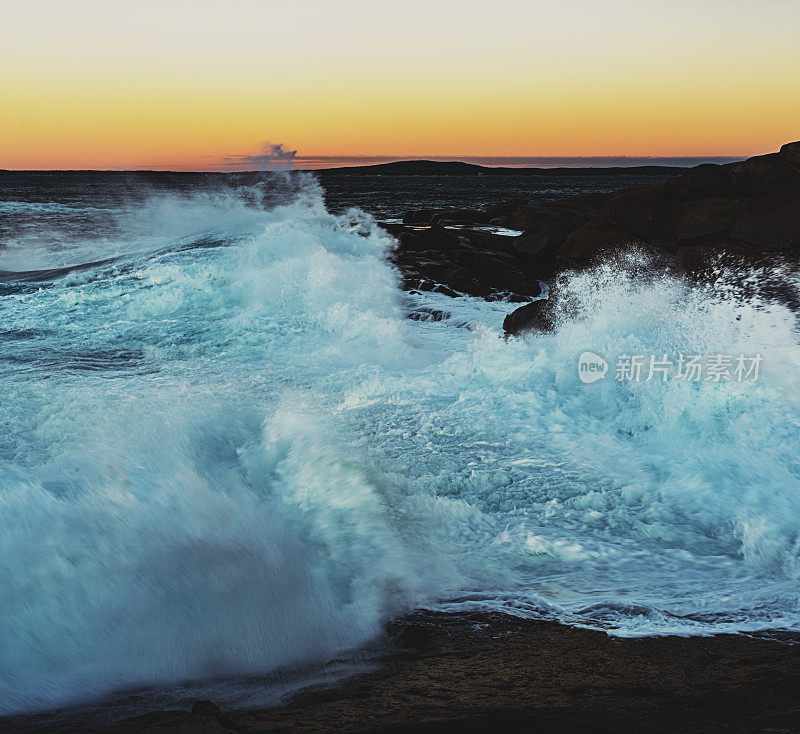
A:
[479,672]
[747,212]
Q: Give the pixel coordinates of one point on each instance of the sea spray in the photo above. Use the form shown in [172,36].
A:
[226,450]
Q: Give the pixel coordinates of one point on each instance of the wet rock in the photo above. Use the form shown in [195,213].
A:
[459,261]
[435,238]
[428,314]
[534,316]
[497,270]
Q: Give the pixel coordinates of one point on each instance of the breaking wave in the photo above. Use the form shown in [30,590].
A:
[225,449]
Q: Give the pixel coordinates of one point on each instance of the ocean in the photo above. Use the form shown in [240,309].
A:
[225,450]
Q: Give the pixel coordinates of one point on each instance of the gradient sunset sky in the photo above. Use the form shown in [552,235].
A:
[194,84]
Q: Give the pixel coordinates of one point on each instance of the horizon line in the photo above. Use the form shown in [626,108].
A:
[255,164]
[306,162]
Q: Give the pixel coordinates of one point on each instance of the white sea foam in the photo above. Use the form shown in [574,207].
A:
[225,458]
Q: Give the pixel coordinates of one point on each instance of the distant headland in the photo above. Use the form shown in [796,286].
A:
[462,168]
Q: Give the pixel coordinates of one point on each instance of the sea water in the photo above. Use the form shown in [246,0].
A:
[225,449]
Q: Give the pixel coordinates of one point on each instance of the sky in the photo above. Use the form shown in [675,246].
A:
[208,85]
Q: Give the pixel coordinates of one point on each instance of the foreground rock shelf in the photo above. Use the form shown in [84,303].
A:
[472,672]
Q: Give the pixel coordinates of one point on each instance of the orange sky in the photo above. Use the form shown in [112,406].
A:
[178,84]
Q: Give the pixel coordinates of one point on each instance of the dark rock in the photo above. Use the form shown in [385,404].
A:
[434,238]
[587,244]
[702,182]
[460,261]
[462,282]
[416,638]
[425,285]
[703,259]
[706,218]
[410,634]
[472,672]
[498,270]
[444,216]
[420,216]
[534,316]
[751,207]
[428,314]
[791,152]
[776,230]
[539,242]
[645,213]
[770,176]
[460,216]
[206,709]
[749,210]
[500,213]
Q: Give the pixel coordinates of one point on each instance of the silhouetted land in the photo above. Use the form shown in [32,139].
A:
[458,168]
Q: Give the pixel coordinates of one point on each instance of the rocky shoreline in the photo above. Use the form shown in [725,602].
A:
[745,213]
[467,672]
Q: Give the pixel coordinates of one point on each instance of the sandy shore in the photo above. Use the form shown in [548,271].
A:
[469,673]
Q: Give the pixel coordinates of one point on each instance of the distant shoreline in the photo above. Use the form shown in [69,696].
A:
[624,167]
[457,168]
